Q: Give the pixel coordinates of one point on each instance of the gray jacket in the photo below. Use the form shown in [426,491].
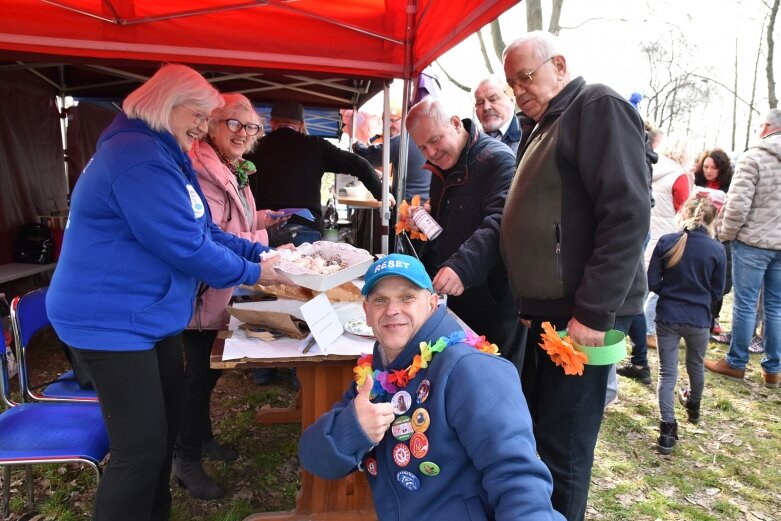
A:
[752,213]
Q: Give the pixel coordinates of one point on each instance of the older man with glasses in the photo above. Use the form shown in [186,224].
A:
[572,237]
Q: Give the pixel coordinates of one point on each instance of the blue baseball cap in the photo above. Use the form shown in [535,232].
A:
[397,265]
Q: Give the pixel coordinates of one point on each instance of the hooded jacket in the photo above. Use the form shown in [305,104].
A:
[665,173]
[139,238]
[752,213]
[479,436]
[578,210]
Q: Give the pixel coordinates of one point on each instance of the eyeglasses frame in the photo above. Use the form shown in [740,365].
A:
[526,78]
[242,126]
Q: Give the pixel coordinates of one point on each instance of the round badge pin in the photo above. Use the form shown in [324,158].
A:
[420,420]
[408,480]
[418,445]
[402,428]
[371,466]
[401,402]
[423,389]
[401,455]
[429,468]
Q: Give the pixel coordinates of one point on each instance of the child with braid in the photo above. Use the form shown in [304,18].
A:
[687,270]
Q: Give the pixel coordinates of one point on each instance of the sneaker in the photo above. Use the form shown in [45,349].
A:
[637,372]
[716,329]
[668,437]
[692,408]
[650,341]
[724,338]
[771,380]
[757,345]
[722,367]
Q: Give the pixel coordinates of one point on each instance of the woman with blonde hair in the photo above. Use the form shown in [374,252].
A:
[138,241]
[223,174]
[687,270]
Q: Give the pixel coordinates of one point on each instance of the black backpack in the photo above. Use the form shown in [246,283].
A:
[34,244]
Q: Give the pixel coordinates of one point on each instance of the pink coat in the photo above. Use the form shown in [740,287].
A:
[222,193]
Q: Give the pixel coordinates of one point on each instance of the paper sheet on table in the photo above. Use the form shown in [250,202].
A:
[239,346]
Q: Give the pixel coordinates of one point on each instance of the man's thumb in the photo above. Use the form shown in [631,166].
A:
[366,388]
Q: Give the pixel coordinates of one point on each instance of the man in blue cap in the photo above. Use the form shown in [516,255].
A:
[436,421]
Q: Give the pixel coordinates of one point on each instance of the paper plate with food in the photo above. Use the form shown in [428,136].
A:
[322,265]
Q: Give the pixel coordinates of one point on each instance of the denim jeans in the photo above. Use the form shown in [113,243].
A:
[611,391]
[750,268]
[668,337]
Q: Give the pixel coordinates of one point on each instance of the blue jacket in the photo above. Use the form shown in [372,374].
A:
[687,289]
[138,240]
[480,437]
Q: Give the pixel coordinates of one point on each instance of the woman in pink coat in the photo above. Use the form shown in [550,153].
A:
[222,174]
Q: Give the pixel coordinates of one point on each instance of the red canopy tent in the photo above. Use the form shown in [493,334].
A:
[323,53]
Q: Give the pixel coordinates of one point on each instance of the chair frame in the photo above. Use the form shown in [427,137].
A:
[7,463]
[22,335]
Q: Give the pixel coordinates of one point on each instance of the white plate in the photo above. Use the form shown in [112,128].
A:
[357,326]
[358,261]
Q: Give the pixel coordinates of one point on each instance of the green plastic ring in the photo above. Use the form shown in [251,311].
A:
[612,352]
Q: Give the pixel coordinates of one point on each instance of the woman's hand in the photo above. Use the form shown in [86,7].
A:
[265,219]
[269,276]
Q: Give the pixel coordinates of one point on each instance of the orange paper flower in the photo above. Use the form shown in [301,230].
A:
[403,220]
[562,351]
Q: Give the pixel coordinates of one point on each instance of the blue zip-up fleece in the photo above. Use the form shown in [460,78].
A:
[687,289]
[138,240]
[479,436]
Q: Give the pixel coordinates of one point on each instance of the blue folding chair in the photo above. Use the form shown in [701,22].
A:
[32,433]
[28,316]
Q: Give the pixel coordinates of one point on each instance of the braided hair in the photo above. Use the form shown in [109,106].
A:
[697,212]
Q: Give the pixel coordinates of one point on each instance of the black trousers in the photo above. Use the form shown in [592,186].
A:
[199,382]
[140,395]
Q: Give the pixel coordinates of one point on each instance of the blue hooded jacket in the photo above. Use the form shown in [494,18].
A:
[139,238]
[479,436]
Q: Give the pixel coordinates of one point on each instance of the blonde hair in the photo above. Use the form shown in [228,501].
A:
[697,212]
[231,101]
[172,85]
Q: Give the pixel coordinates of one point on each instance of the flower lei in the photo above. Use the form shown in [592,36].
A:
[403,219]
[390,382]
[240,167]
[561,351]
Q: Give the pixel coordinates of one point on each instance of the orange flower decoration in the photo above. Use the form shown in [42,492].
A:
[562,351]
[403,219]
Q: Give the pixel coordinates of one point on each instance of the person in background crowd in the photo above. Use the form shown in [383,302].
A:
[495,109]
[714,172]
[750,219]
[138,241]
[223,175]
[458,443]
[687,270]
[470,176]
[671,186]
[291,166]
[572,239]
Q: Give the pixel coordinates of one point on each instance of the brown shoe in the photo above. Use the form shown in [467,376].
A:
[650,341]
[771,380]
[722,367]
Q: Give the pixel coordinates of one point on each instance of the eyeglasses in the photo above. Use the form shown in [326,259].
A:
[234,125]
[526,78]
[200,117]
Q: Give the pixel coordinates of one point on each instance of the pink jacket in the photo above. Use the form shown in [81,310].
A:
[222,193]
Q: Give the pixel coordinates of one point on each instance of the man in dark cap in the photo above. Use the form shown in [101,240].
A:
[291,165]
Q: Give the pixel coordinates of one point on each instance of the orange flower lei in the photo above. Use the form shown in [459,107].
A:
[403,219]
[390,382]
[562,351]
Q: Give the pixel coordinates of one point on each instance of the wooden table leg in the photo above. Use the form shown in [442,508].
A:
[276,415]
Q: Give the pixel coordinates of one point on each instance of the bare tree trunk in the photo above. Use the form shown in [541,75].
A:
[496,37]
[534,15]
[771,82]
[735,98]
[484,52]
[555,16]
[754,86]
[453,80]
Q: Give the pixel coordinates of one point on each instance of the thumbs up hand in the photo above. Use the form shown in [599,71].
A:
[374,418]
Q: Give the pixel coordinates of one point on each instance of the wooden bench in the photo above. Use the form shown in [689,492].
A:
[19,270]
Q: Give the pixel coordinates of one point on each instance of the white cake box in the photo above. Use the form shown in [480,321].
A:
[357,260]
